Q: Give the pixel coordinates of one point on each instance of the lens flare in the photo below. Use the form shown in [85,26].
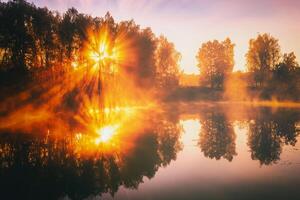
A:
[106,133]
[96,94]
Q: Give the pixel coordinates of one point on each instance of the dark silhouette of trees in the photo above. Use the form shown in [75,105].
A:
[37,44]
[263,56]
[286,68]
[17,40]
[273,74]
[215,60]
[145,67]
[43,44]
[285,79]
[72,32]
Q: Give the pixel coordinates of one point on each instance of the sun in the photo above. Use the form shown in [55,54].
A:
[100,53]
[104,54]
[106,133]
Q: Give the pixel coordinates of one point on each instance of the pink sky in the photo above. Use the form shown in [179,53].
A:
[189,23]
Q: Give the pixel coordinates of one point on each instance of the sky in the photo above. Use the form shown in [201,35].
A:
[189,23]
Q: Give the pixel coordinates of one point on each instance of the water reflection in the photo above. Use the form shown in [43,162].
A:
[39,165]
[217,137]
[268,132]
[135,146]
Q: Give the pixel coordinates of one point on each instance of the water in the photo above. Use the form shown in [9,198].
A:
[201,151]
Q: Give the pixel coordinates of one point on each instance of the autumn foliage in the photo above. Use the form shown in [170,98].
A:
[215,61]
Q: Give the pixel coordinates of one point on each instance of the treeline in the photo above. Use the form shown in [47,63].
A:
[39,44]
[36,40]
[270,73]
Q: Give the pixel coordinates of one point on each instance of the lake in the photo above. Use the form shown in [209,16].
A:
[179,151]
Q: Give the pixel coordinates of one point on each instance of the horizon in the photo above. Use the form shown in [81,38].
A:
[238,20]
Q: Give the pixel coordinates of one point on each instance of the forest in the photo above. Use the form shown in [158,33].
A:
[269,74]
[39,46]
[44,47]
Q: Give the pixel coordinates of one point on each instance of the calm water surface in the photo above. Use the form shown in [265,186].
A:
[180,152]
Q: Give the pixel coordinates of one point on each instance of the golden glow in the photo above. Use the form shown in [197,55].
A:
[106,133]
[74,65]
[104,51]
[104,95]
[100,54]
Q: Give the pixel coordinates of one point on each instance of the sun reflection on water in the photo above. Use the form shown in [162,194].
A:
[105,130]
[191,129]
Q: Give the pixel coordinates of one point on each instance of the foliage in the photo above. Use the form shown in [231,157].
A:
[215,60]
[167,63]
[35,40]
[262,57]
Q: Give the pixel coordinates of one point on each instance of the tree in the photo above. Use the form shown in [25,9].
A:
[288,65]
[215,61]
[45,45]
[167,63]
[15,34]
[284,79]
[67,31]
[144,69]
[263,56]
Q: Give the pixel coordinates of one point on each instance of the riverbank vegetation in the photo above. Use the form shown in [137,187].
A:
[43,48]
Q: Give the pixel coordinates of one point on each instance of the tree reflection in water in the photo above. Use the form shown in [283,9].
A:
[39,165]
[268,132]
[217,137]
